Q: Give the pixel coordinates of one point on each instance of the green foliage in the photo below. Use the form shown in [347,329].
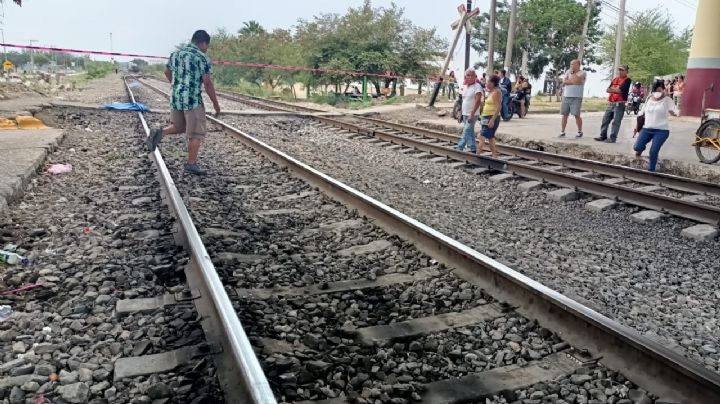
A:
[549,30]
[41,59]
[96,70]
[244,87]
[368,39]
[392,101]
[650,46]
[18,58]
[329,98]
[364,39]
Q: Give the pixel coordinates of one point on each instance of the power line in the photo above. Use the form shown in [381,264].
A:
[616,9]
[687,3]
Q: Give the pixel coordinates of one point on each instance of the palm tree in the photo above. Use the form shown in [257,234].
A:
[251,28]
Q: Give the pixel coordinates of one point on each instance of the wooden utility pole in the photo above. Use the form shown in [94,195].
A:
[583,41]
[619,38]
[511,36]
[491,39]
[467,39]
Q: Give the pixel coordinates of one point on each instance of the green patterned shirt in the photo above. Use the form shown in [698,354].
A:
[187,65]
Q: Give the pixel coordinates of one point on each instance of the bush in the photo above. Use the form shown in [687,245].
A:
[96,70]
[244,87]
[330,99]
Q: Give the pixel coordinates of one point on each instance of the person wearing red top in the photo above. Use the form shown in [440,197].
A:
[618,90]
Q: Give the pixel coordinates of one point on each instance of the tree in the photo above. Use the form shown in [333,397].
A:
[41,59]
[364,39]
[141,63]
[549,30]
[370,40]
[650,46]
[251,29]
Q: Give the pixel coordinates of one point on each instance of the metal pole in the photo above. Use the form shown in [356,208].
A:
[581,48]
[511,36]
[32,57]
[619,37]
[364,89]
[467,39]
[491,39]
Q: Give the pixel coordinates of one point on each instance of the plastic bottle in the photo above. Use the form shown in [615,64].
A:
[12,258]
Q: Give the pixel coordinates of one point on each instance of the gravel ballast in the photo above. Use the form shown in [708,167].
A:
[94,236]
[645,276]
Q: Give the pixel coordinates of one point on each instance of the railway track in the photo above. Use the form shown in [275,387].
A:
[683,197]
[484,282]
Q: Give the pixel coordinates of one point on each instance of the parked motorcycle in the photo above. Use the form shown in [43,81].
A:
[633,104]
[514,106]
[457,109]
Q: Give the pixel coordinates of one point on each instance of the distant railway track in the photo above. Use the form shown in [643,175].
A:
[679,196]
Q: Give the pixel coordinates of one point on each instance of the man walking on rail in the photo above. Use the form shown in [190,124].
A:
[574,81]
[188,69]
[618,90]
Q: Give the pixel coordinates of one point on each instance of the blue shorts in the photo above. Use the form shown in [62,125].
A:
[489,133]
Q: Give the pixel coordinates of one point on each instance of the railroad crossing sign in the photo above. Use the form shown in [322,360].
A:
[7,65]
[465,18]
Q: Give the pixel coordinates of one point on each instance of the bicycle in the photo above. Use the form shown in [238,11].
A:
[707,136]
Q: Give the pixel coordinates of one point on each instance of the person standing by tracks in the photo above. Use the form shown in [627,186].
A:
[653,123]
[679,88]
[490,116]
[472,99]
[574,81]
[618,90]
[188,69]
[452,83]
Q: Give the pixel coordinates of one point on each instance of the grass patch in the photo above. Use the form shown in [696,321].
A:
[589,103]
[250,89]
[393,100]
[80,80]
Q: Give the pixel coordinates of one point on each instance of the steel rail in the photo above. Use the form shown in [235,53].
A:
[678,207]
[263,103]
[238,369]
[649,364]
[628,173]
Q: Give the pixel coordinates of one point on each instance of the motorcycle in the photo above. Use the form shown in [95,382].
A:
[457,109]
[514,105]
[633,104]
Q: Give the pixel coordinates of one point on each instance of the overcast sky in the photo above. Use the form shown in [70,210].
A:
[155,26]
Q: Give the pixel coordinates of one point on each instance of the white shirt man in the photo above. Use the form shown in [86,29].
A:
[574,82]
[472,97]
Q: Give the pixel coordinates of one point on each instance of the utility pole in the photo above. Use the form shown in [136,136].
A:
[112,59]
[511,36]
[491,39]
[619,37]
[467,39]
[583,41]
[32,56]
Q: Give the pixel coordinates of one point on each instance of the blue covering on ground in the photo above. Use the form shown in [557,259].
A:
[127,106]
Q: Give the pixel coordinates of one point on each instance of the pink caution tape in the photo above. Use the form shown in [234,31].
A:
[216,62]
